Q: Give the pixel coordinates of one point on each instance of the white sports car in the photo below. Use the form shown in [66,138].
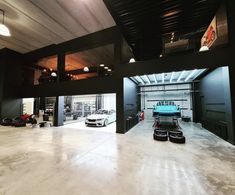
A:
[101,118]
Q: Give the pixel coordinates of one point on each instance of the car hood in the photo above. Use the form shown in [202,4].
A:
[97,116]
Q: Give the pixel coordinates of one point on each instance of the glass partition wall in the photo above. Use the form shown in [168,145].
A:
[90,63]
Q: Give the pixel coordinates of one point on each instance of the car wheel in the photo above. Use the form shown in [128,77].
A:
[160,137]
[105,122]
[160,131]
[176,133]
[177,139]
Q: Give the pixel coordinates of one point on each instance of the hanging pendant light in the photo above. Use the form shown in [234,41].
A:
[4,30]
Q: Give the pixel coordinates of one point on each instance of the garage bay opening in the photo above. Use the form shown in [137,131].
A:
[91,112]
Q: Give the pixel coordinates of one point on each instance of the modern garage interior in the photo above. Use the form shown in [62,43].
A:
[117,97]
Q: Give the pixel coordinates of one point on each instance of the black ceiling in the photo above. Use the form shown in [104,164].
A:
[145,23]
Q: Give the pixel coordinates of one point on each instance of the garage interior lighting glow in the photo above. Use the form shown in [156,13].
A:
[172,76]
[190,75]
[155,79]
[199,73]
[168,78]
[138,78]
[106,67]
[101,65]
[147,79]
[181,74]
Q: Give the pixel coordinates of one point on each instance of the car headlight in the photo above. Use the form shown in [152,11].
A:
[100,119]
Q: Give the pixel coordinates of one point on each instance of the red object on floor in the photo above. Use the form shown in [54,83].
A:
[25,117]
[142,115]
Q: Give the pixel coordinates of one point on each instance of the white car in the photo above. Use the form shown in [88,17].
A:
[101,118]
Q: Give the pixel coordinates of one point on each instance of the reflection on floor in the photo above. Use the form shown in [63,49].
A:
[111,128]
[62,161]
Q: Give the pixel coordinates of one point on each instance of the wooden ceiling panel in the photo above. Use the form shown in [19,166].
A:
[48,63]
[82,14]
[35,24]
[92,57]
[98,9]
[36,14]
[61,16]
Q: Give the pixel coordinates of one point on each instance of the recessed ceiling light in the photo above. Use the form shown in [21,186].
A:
[106,67]
[160,55]
[101,65]
[109,70]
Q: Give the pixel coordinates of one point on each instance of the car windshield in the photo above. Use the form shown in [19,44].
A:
[101,112]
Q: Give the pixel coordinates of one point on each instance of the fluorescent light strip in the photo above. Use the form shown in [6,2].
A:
[163,78]
[172,76]
[199,73]
[139,79]
[190,75]
[155,79]
[147,79]
[134,79]
[181,74]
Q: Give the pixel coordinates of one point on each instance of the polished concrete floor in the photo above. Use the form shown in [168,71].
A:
[110,128]
[68,161]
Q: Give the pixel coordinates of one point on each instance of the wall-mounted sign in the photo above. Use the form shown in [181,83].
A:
[210,35]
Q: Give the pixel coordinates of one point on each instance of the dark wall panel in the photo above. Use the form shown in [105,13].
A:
[215,103]
[130,102]
[10,83]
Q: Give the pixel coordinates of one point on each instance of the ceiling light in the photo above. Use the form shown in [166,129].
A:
[190,75]
[132,60]
[181,74]
[86,69]
[171,41]
[106,67]
[51,69]
[172,76]
[163,77]
[204,48]
[160,55]
[53,74]
[44,70]
[101,65]
[172,34]
[4,30]
[109,70]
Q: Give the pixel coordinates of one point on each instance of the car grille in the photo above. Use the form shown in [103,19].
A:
[92,120]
